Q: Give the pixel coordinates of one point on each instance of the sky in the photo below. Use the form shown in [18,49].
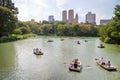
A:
[39,10]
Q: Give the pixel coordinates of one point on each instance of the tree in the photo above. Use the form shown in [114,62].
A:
[7,21]
[47,29]
[117,13]
[17,31]
[59,30]
[33,26]
[111,32]
[45,22]
[9,5]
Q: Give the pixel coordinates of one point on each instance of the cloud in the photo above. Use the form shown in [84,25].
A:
[41,9]
[23,9]
[32,9]
[61,3]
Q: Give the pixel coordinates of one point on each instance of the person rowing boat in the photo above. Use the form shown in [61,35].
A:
[75,66]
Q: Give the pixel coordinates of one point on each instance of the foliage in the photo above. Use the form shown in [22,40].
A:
[59,29]
[7,21]
[17,31]
[76,30]
[110,33]
[117,13]
[47,29]
[8,4]
[45,22]
[14,37]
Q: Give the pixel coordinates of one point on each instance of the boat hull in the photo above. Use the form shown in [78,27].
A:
[111,68]
[39,53]
[78,69]
[74,69]
[101,46]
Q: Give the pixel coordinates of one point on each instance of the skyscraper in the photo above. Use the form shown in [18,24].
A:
[51,18]
[71,16]
[64,16]
[90,18]
[76,19]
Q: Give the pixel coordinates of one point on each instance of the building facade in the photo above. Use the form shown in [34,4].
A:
[70,19]
[76,19]
[70,16]
[51,19]
[105,21]
[90,18]
[64,16]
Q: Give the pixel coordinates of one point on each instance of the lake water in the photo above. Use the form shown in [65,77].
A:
[17,61]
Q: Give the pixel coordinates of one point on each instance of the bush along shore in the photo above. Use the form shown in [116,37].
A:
[14,37]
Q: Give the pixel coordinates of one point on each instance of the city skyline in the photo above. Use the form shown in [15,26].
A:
[40,9]
[68,16]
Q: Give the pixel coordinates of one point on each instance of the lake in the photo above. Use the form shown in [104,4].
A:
[17,61]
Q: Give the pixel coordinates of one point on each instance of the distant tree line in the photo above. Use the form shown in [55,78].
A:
[110,33]
[10,25]
[59,29]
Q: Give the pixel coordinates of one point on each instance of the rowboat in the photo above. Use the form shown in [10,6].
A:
[105,66]
[50,40]
[101,46]
[62,39]
[38,53]
[86,41]
[72,68]
[78,42]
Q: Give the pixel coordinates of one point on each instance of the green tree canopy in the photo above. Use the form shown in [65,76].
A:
[117,13]
[111,32]
[7,21]
[10,5]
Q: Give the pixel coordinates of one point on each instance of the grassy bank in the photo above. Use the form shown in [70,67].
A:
[14,37]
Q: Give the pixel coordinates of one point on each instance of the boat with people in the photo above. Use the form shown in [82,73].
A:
[106,65]
[62,39]
[78,42]
[75,66]
[86,41]
[50,40]
[101,46]
[37,51]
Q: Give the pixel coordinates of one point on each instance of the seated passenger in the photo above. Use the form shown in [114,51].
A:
[102,61]
[75,63]
[109,64]
[37,50]
[40,51]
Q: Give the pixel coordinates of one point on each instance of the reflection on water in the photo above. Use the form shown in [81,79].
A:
[17,61]
[7,60]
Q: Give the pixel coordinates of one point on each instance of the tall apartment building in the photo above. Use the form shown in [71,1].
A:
[70,17]
[64,16]
[90,18]
[51,19]
[76,18]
